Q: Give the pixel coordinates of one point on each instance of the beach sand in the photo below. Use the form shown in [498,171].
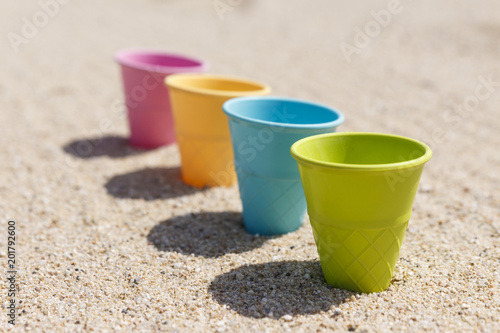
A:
[110,239]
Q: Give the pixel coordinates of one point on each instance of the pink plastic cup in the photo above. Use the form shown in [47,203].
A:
[148,102]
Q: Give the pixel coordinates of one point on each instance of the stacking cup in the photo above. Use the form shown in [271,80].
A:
[262,131]
[359,189]
[201,126]
[147,99]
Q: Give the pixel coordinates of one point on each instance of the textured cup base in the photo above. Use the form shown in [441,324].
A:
[149,145]
[206,162]
[360,260]
[271,206]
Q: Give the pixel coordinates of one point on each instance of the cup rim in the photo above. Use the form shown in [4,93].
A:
[124,57]
[173,81]
[367,167]
[227,105]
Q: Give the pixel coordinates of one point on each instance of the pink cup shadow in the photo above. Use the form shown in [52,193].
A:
[148,102]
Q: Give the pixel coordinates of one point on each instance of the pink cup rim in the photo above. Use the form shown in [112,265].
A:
[129,57]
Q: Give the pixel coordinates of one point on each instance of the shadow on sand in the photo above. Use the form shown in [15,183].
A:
[276,289]
[209,235]
[149,184]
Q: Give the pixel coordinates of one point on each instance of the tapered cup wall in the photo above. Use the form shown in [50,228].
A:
[262,131]
[359,189]
[201,128]
[148,103]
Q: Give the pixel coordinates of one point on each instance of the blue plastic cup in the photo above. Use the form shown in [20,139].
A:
[263,128]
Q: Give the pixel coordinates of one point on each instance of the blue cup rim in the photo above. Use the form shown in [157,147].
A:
[226,107]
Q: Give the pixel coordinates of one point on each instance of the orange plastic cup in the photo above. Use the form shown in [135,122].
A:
[202,128]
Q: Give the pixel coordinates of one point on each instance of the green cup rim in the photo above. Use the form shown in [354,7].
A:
[368,167]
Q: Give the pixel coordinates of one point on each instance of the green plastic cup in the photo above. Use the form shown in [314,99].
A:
[359,189]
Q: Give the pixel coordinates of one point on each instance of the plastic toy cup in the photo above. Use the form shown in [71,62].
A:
[147,99]
[263,130]
[359,189]
[201,126]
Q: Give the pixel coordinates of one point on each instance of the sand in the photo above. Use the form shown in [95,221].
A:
[112,240]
